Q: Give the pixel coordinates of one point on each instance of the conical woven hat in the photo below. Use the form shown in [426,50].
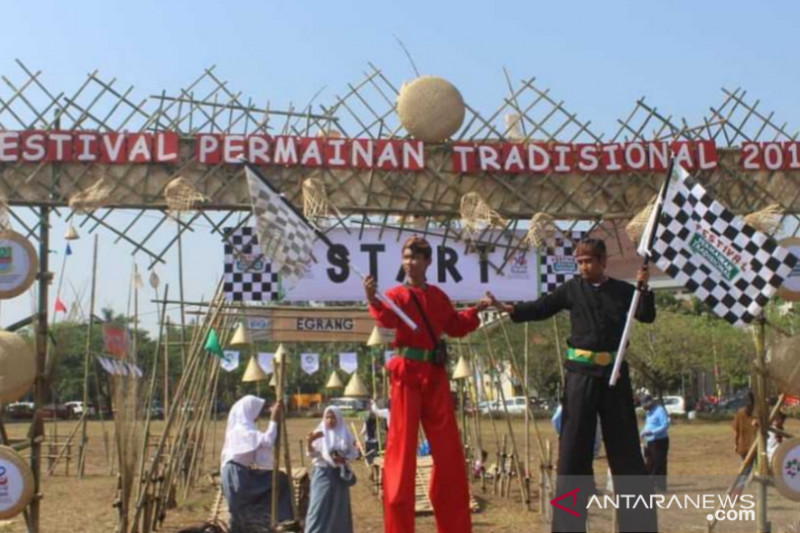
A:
[462,369]
[253,372]
[376,337]
[241,337]
[334,382]
[355,387]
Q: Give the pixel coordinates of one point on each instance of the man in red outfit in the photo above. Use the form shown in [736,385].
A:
[421,393]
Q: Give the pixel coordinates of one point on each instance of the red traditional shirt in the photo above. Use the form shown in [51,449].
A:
[442,316]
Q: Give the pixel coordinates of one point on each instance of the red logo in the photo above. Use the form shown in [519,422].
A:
[574,494]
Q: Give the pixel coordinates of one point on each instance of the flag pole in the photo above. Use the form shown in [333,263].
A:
[324,238]
[648,237]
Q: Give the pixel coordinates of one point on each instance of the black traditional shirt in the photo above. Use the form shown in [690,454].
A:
[597,313]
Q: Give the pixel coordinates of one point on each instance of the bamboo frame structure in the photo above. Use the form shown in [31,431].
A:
[384,198]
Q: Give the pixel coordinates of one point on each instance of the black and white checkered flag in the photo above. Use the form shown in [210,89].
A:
[558,261]
[286,239]
[248,276]
[729,265]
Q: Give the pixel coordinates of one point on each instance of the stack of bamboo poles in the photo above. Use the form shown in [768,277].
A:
[173,464]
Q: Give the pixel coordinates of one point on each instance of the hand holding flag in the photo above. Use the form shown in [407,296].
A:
[286,237]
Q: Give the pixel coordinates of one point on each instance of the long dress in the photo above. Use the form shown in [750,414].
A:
[248,490]
[329,509]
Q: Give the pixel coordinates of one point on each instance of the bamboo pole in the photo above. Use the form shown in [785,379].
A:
[187,374]
[762,479]
[517,466]
[143,483]
[527,409]
[288,465]
[749,458]
[165,390]
[280,368]
[180,290]
[68,442]
[84,420]
[41,357]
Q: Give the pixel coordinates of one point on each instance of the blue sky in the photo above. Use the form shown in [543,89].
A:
[598,57]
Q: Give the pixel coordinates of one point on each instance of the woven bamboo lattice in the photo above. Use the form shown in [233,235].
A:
[366,109]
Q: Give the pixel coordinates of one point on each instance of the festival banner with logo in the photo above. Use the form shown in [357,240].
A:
[464,276]
[348,361]
[265,361]
[309,362]
[230,361]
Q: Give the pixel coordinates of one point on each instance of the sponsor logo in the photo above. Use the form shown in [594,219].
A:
[718,254]
[563,264]
[250,263]
[519,264]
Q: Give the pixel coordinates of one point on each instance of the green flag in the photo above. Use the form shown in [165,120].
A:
[212,344]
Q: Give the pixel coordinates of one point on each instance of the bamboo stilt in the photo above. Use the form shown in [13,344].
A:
[87,358]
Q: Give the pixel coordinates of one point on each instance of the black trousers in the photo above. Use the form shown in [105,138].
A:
[585,397]
[655,462]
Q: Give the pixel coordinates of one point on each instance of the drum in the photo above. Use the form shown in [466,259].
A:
[786,469]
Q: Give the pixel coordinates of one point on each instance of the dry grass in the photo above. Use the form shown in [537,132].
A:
[70,505]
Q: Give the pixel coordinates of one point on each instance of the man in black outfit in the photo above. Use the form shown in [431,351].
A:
[598,307]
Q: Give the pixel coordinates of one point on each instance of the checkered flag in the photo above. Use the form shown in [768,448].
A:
[558,263]
[729,265]
[248,275]
[286,239]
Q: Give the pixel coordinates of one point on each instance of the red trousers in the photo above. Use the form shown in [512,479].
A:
[421,393]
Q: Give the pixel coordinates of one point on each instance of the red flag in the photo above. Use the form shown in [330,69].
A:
[60,306]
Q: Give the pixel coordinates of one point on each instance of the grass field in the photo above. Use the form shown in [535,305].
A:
[701,459]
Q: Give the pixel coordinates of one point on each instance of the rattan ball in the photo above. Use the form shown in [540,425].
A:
[430,108]
[17,367]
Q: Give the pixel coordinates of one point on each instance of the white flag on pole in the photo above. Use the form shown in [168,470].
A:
[309,362]
[265,361]
[348,361]
[230,360]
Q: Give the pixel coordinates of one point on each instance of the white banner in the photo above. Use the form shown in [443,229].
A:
[105,364]
[465,277]
[309,362]
[265,361]
[348,361]
[119,366]
[230,361]
[259,328]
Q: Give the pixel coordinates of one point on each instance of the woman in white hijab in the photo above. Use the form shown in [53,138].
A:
[247,463]
[331,446]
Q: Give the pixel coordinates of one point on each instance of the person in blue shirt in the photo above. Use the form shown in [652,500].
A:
[656,437]
[598,436]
